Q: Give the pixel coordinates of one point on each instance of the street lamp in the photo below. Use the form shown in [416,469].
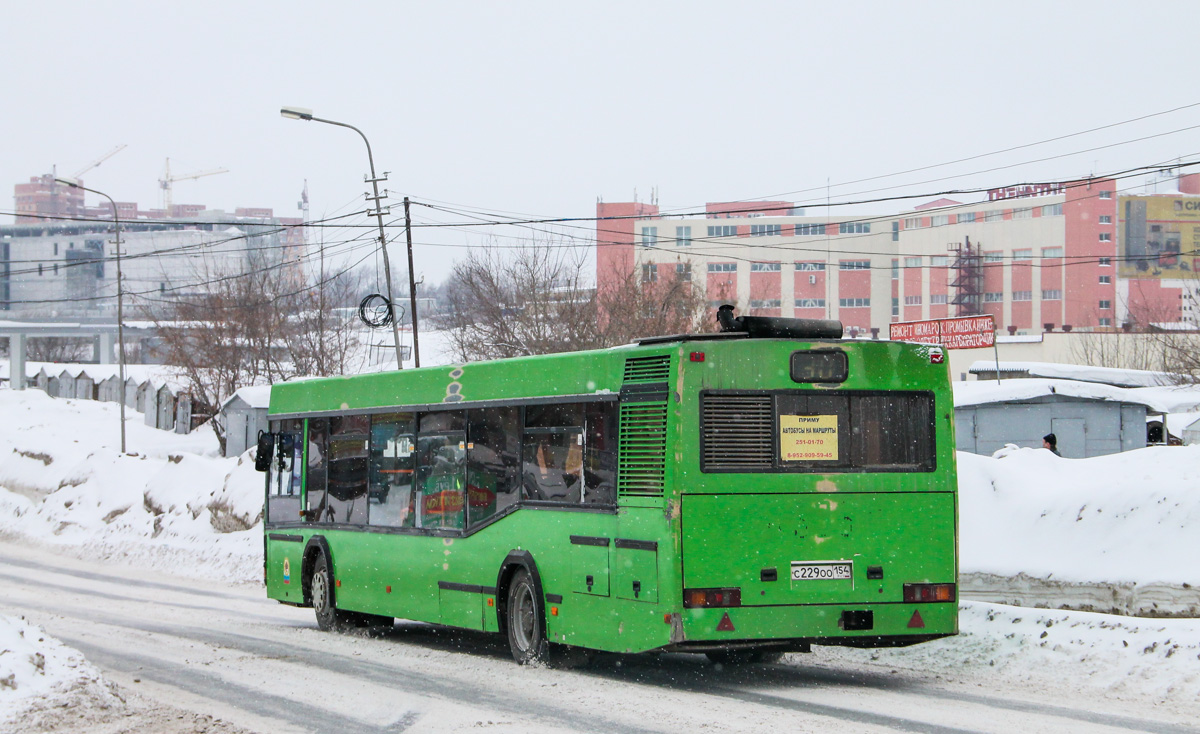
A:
[120,297]
[302,113]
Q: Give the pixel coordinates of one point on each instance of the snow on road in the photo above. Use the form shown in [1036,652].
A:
[233,655]
[178,508]
[35,669]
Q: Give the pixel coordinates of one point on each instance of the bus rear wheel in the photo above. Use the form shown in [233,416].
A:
[525,622]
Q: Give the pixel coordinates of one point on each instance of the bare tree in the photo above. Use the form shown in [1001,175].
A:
[323,336]
[533,300]
[59,349]
[537,299]
[259,328]
[1151,340]
[655,300]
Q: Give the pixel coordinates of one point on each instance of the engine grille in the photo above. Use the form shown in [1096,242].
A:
[736,432]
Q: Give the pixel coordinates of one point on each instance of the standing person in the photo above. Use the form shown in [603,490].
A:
[1050,441]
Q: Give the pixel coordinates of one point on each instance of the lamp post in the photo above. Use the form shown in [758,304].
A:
[301,113]
[120,297]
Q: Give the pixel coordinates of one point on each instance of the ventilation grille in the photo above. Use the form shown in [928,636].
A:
[737,432]
[648,369]
[641,469]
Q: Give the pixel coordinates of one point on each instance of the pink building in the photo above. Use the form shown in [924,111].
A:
[1077,254]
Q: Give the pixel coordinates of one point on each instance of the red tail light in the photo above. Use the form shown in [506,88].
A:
[700,598]
[914,593]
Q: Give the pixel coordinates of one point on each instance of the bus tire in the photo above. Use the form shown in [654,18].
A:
[329,617]
[525,621]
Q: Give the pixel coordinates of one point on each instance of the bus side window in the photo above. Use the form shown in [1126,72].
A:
[493,461]
[441,460]
[552,453]
[600,454]
[316,446]
[283,483]
[347,469]
[393,448]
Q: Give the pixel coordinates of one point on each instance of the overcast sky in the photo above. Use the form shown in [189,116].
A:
[540,108]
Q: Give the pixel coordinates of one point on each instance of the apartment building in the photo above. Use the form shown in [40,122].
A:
[1077,254]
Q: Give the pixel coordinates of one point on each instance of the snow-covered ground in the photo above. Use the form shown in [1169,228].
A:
[174,505]
[36,668]
[177,506]
[1129,658]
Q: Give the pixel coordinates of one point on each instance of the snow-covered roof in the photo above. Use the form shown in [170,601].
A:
[1085,373]
[1157,399]
[1174,326]
[256,396]
[1019,339]
[1192,427]
[156,374]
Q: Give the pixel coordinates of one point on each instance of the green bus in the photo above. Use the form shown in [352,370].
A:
[740,494]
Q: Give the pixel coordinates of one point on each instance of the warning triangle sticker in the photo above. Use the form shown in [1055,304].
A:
[726,624]
[916,621]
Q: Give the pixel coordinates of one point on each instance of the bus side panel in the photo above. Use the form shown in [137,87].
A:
[367,564]
[284,564]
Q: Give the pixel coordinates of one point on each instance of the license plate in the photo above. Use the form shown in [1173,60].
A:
[822,570]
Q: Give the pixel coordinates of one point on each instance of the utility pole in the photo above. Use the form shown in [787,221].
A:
[301,113]
[412,282]
[387,265]
[120,298]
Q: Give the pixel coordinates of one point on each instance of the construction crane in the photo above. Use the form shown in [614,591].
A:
[98,161]
[167,179]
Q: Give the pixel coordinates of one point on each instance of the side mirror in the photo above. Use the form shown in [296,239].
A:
[266,451]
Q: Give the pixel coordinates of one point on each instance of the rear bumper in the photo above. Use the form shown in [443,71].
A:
[856,625]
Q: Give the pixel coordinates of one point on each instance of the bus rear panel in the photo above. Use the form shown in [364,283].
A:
[817,496]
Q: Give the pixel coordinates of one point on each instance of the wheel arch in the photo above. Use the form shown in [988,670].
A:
[514,561]
[316,547]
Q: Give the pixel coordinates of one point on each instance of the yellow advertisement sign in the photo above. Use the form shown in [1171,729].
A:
[808,437]
[1158,236]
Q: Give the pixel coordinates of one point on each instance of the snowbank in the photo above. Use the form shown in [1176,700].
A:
[1122,657]
[176,504]
[38,671]
[1128,517]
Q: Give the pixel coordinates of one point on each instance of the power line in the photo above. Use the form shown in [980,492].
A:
[982,155]
[1074,260]
[187,286]
[858,202]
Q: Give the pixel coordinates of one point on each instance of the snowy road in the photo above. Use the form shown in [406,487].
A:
[228,652]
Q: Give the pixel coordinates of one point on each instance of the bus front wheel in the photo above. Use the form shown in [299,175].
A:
[526,625]
[329,618]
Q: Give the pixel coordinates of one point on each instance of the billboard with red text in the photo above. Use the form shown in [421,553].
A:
[967,332]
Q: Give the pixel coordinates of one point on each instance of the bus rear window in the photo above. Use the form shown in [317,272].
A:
[802,430]
[824,365]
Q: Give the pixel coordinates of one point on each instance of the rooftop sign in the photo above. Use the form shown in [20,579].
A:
[1021,192]
[969,332]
